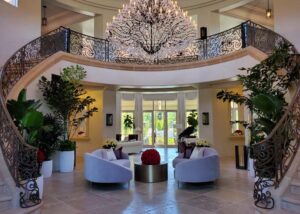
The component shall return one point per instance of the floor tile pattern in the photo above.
(70, 193)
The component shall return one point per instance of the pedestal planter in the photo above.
(66, 161)
(46, 169)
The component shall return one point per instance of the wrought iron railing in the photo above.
(21, 158)
(274, 155)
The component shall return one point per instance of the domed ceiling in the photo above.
(113, 5)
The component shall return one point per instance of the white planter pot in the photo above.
(251, 172)
(55, 158)
(46, 169)
(66, 161)
(40, 184)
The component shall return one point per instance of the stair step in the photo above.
(291, 201)
(5, 202)
(5, 198)
(31, 210)
(295, 186)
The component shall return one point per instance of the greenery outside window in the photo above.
(127, 123)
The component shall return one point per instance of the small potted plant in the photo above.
(66, 155)
(202, 143)
(110, 143)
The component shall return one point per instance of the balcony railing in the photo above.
(21, 158)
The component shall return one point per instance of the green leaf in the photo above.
(22, 95)
(33, 120)
(267, 104)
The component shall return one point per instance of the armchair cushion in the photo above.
(118, 153)
(198, 152)
(187, 150)
(122, 162)
(203, 169)
(99, 170)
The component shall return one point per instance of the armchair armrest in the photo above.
(103, 171)
(198, 170)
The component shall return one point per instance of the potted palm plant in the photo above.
(29, 123)
(66, 98)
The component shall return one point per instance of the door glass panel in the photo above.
(147, 128)
(172, 132)
(127, 124)
(159, 128)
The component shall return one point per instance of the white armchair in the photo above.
(103, 171)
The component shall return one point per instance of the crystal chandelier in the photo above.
(151, 29)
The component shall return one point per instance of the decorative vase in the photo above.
(66, 161)
(46, 169)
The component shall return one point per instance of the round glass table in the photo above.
(151, 173)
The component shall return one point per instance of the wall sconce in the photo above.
(269, 11)
(44, 19)
(205, 118)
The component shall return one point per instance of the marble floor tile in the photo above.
(66, 193)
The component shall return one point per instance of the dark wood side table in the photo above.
(151, 173)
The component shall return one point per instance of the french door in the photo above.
(158, 128)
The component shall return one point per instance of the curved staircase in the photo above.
(21, 158)
(290, 200)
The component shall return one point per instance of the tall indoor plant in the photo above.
(67, 99)
(38, 130)
(266, 85)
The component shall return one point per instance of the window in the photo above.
(12, 2)
(127, 116)
(191, 106)
(234, 110)
(127, 123)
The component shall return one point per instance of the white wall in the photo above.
(109, 107)
(286, 18)
(227, 22)
(19, 25)
(85, 27)
(218, 132)
(206, 99)
(221, 71)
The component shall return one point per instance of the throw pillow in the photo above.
(118, 153)
(100, 153)
(110, 154)
(197, 153)
(186, 149)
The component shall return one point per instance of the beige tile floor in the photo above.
(66, 193)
